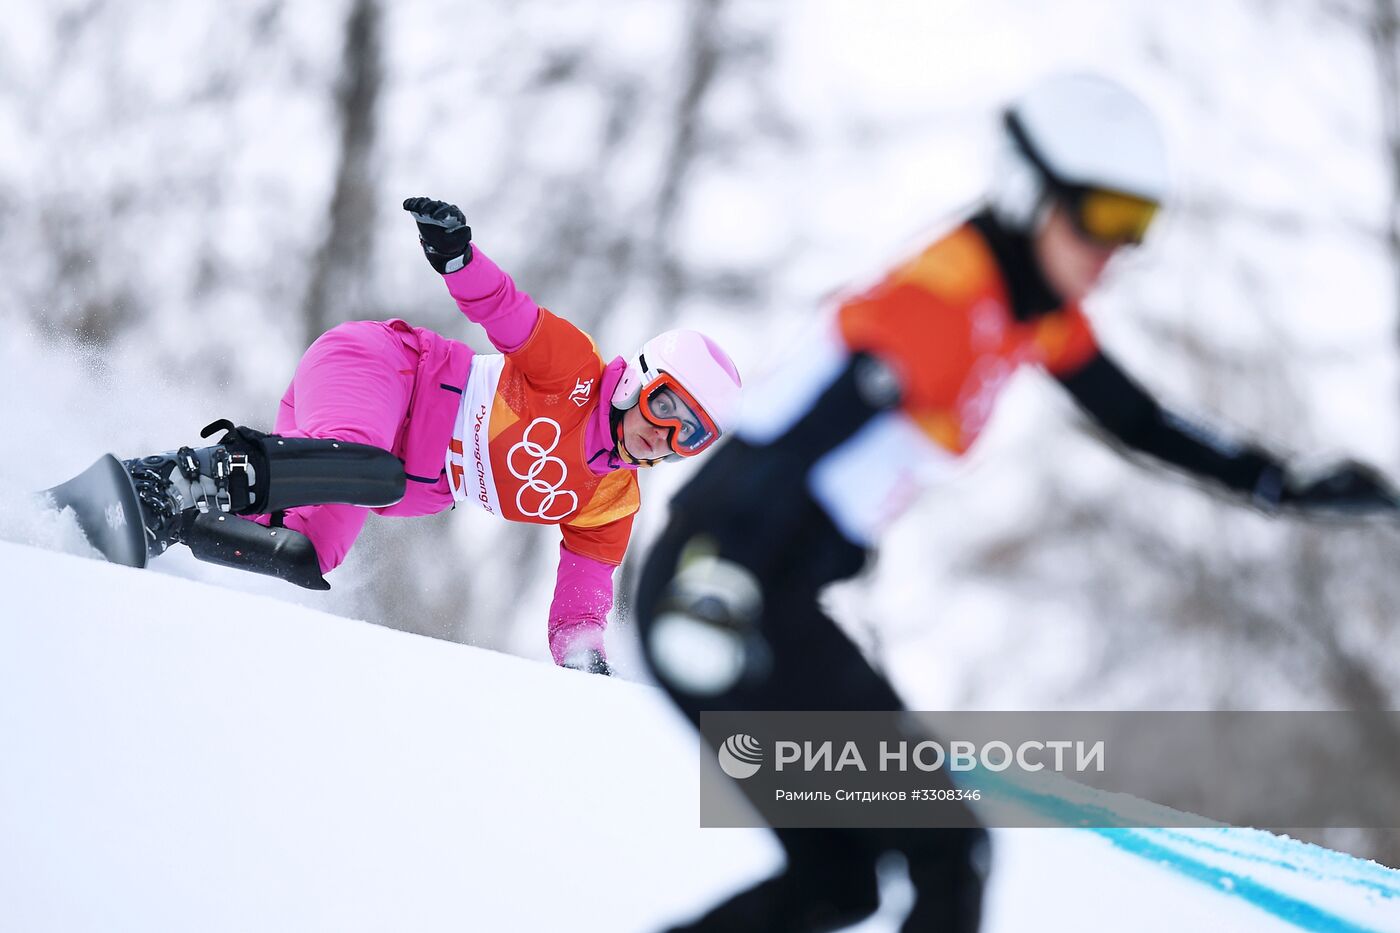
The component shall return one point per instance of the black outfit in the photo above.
(752, 503)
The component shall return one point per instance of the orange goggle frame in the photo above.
(705, 430)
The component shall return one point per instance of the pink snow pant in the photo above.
(355, 383)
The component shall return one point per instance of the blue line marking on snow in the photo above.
(1295, 911)
(1348, 869)
(1164, 848)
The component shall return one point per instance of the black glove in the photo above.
(443, 232)
(590, 661)
(709, 613)
(1349, 488)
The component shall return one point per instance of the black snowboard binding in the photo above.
(187, 495)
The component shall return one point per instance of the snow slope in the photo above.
(175, 756)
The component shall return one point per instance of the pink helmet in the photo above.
(683, 371)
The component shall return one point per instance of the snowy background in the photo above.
(190, 193)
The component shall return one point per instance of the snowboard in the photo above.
(104, 499)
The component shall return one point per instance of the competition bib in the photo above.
(469, 453)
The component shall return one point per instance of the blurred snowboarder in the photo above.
(834, 446)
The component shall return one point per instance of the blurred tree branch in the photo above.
(1385, 40)
(338, 289)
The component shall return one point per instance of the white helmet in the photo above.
(684, 381)
(1078, 133)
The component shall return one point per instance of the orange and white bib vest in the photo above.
(518, 448)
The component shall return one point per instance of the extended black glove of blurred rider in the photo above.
(443, 233)
(1349, 488)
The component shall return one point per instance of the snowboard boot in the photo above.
(187, 496)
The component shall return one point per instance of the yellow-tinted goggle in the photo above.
(1110, 217)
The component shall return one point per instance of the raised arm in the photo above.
(1128, 412)
(486, 295)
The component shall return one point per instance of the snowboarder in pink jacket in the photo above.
(399, 420)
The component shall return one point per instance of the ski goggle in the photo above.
(667, 404)
(1101, 215)
(1108, 217)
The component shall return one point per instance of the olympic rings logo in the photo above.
(539, 472)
